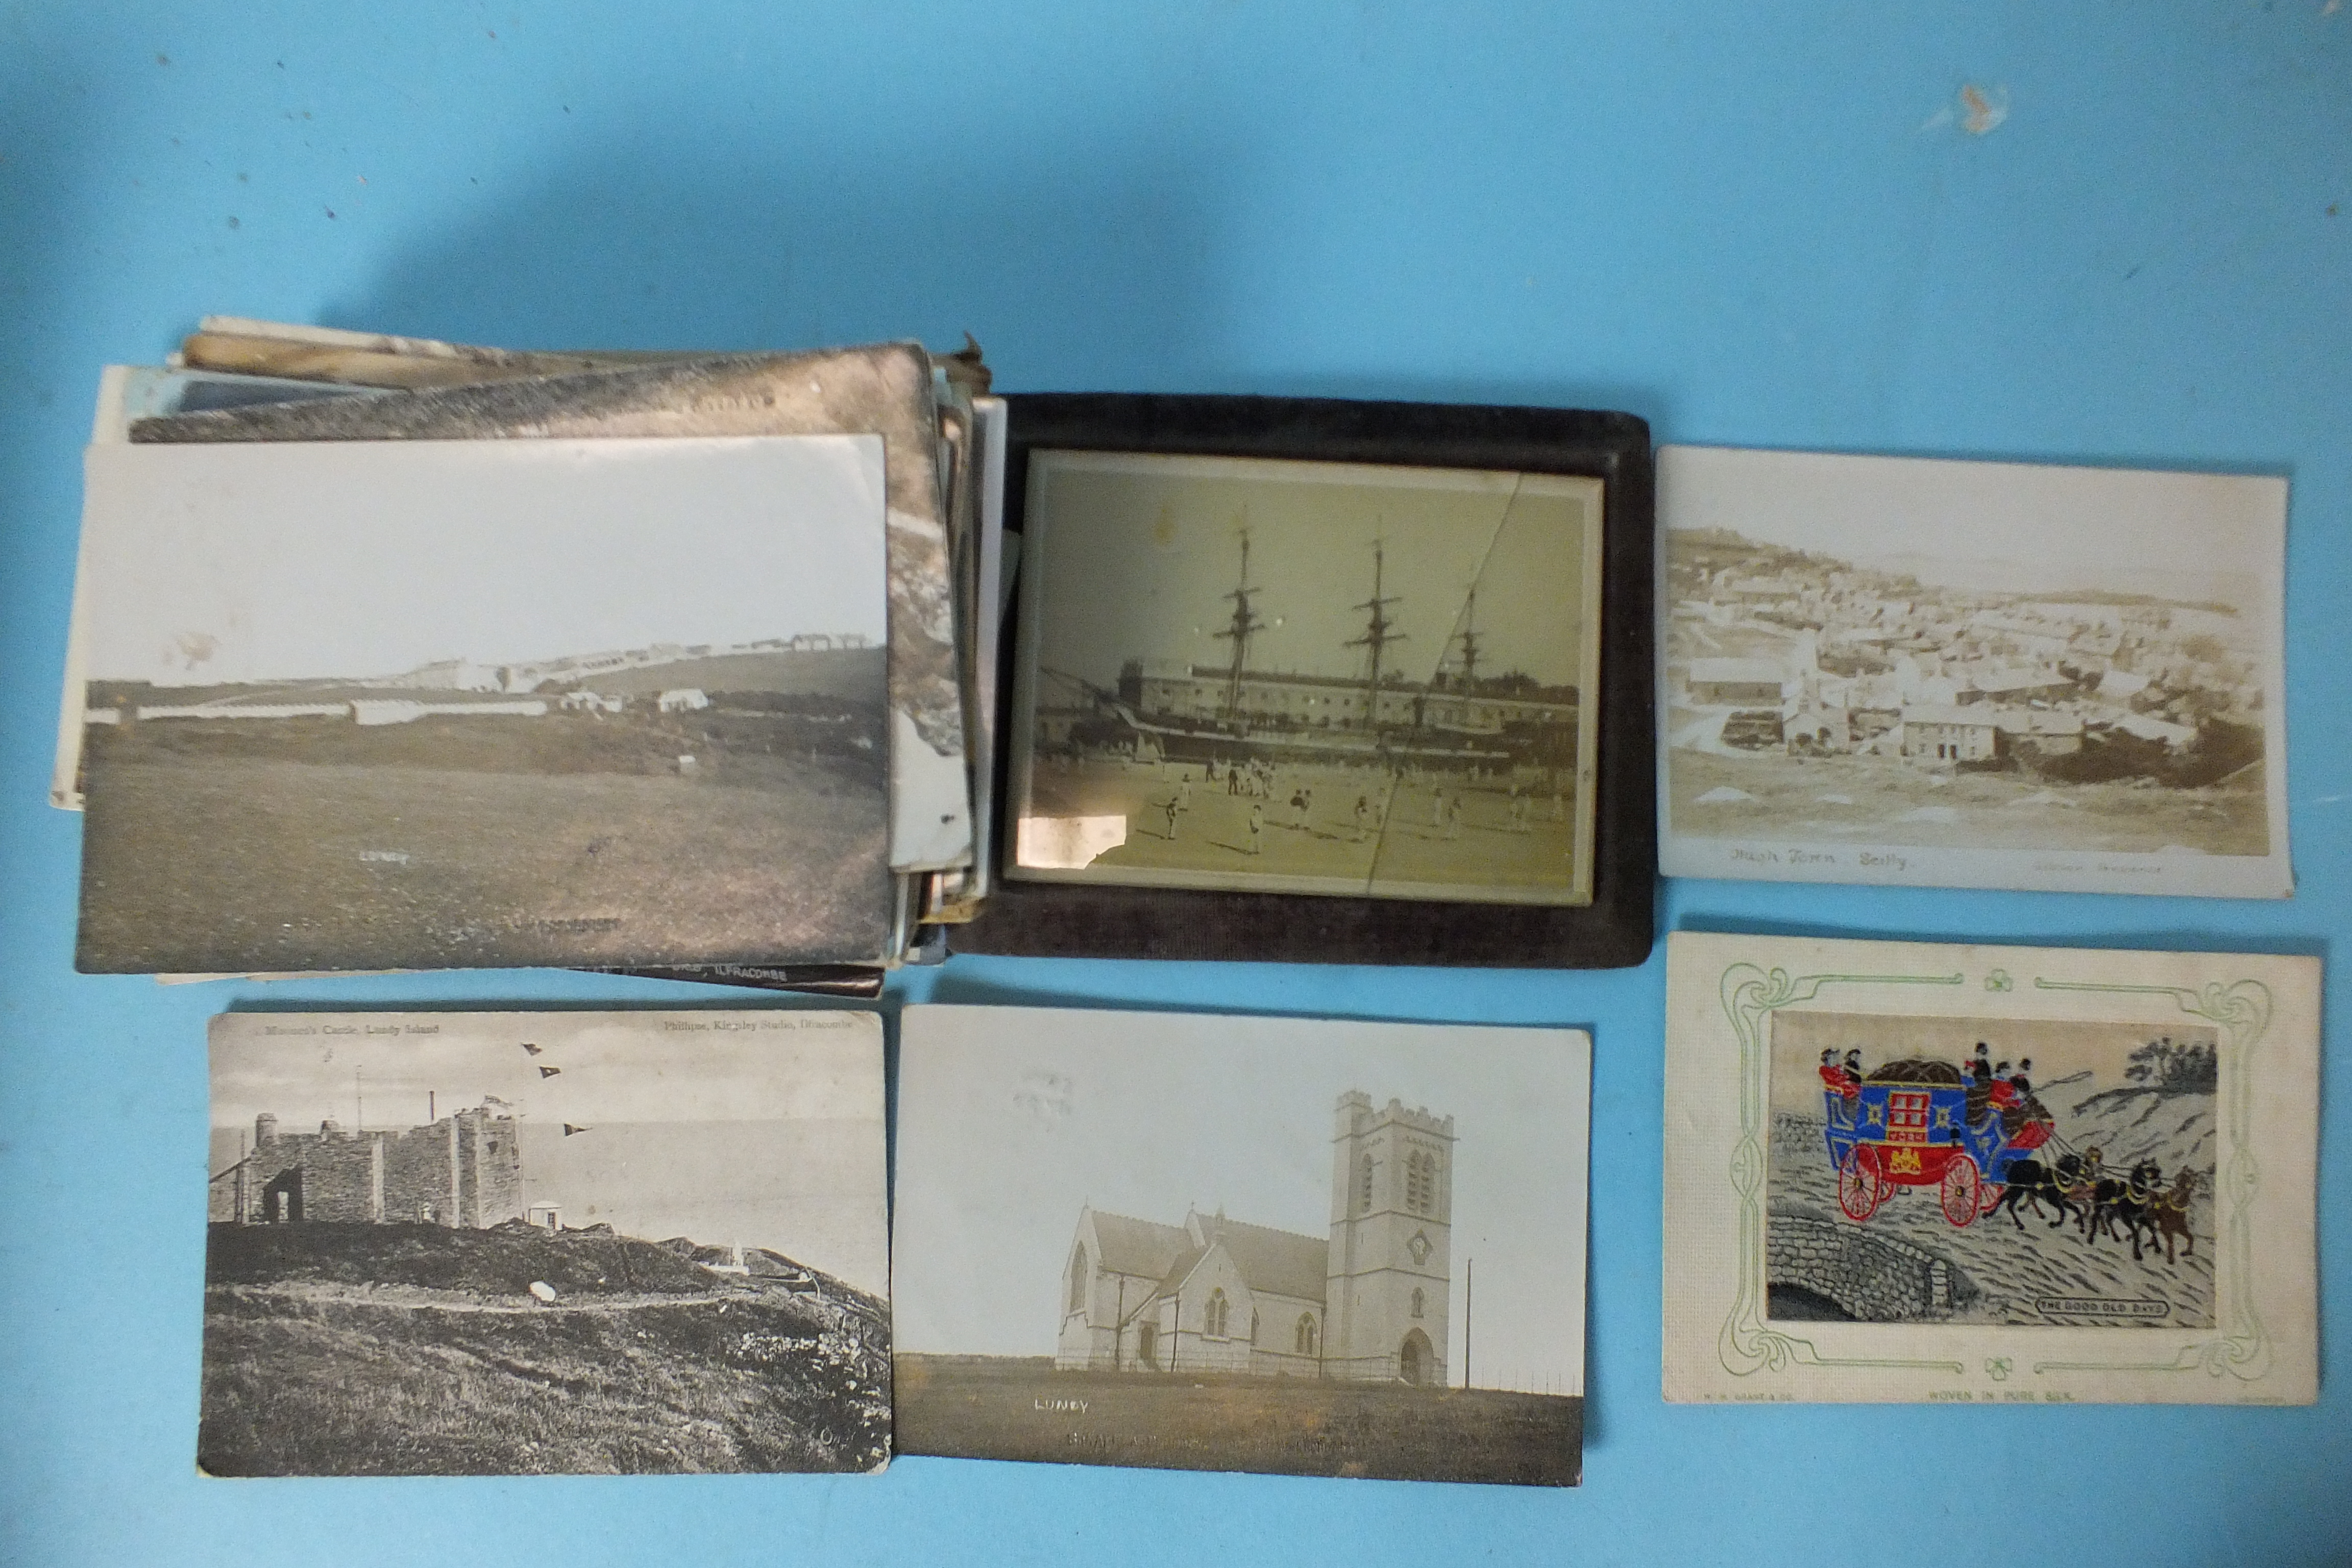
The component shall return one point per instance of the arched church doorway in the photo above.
(1416, 1362)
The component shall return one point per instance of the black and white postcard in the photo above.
(1204, 1242)
(546, 1243)
(1968, 674)
(1983, 1175)
(1271, 675)
(439, 704)
(459, 391)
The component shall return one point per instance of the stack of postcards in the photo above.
(390, 653)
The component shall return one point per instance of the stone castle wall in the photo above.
(464, 1170)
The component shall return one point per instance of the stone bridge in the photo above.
(1874, 1279)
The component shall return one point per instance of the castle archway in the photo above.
(1416, 1362)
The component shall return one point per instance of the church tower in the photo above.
(1387, 1286)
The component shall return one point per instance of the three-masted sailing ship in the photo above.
(1457, 721)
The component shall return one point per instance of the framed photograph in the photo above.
(1973, 675)
(475, 1243)
(1290, 1246)
(1290, 676)
(1905, 1172)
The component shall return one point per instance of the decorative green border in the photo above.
(1751, 994)
(2242, 1008)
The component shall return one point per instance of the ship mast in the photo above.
(1469, 640)
(1238, 632)
(1378, 632)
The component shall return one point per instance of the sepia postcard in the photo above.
(1969, 674)
(432, 704)
(1915, 1173)
(882, 389)
(471, 1243)
(1302, 677)
(1198, 1242)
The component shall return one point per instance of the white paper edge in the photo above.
(2270, 876)
(1703, 1128)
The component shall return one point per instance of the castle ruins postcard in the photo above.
(1969, 674)
(1201, 1242)
(441, 704)
(1278, 676)
(546, 1243)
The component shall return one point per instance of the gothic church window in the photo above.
(1213, 1317)
(1419, 1301)
(1303, 1338)
(1421, 1182)
(1364, 1183)
(1079, 1280)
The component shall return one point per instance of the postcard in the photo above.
(1263, 675)
(471, 1243)
(1907, 1172)
(883, 389)
(1968, 674)
(432, 704)
(126, 393)
(1201, 1242)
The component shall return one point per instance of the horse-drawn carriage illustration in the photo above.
(1919, 1124)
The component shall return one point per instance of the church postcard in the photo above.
(1288, 1245)
(548, 1243)
(1902, 1172)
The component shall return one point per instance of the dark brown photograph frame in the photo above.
(1614, 929)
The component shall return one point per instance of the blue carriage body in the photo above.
(1923, 1121)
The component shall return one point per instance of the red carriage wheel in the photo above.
(1989, 1195)
(1859, 1187)
(1960, 1191)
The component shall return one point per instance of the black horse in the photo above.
(2030, 1180)
(2130, 1203)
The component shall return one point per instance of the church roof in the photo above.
(1281, 1261)
(1186, 1261)
(1136, 1247)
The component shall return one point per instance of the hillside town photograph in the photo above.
(1307, 678)
(1846, 677)
(545, 1244)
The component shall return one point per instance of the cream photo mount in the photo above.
(2255, 1341)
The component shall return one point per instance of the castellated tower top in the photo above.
(1356, 1115)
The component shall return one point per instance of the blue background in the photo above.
(1757, 225)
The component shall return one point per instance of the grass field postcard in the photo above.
(546, 1243)
(447, 704)
(1968, 674)
(1905, 1172)
(1307, 678)
(1202, 1242)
